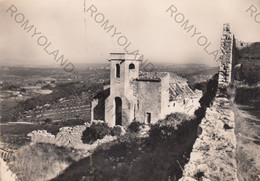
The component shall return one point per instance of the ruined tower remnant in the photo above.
(226, 58)
(239, 61)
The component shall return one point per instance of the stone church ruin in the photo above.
(141, 96)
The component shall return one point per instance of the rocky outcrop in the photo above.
(213, 154)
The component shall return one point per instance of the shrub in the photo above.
(209, 95)
(94, 132)
(173, 120)
(48, 87)
(135, 126)
(166, 127)
(117, 131)
(47, 120)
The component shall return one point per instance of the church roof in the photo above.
(179, 91)
(153, 76)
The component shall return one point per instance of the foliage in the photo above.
(23, 90)
(209, 95)
(135, 126)
(12, 87)
(200, 86)
(48, 86)
(47, 120)
(173, 120)
(116, 131)
(166, 127)
(94, 132)
(137, 158)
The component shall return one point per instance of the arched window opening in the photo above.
(117, 70)
(131, 67)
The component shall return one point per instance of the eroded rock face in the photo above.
(213, 154)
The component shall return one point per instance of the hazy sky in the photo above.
(145, 23)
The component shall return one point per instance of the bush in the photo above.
(48, 87)
(117, 131)
(94, 132)
(166, 127)
(173, 120)
(209, 95)
(47, 120)
(134, 127)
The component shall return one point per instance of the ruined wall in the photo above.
(165, 95)
(213, 154)
(238, 60)
(226, 75)
(68, 137)
(186, 105)
(98, 105)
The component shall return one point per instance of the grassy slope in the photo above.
(247, 117)
(41, 161)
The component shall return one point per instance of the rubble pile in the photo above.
(67, 137)
(41, 136)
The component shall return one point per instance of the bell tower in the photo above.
(124, 68)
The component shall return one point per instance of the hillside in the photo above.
(247, 119)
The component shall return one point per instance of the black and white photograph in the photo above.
(130, 90)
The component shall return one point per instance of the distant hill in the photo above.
(194, 73)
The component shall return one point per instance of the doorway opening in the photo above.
(148, 118)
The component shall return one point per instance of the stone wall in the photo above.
(68, 137)
(226, 58)
(213, 154)
(239, 55)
